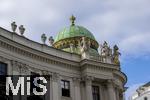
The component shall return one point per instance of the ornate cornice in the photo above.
(42, 57)
(20, 67)
(121, 76)
(35, 56)
(97, 67)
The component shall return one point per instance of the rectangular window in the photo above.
(65, 86)
(3, 71)
(3, 68)
(95, 92)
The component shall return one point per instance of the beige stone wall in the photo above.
(24, 56)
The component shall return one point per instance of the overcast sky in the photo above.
(122, 22)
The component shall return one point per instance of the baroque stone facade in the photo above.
(85, 72)
(142, 93)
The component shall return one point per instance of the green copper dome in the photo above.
(73, 31)
(69, 39)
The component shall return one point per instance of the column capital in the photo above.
(88, 79)
(14, 63)
(24, 69)
(3, 59)
(76, 80)
(44, 72)
(19, 66)
(55, 76)
(111, 82)
(32, 69)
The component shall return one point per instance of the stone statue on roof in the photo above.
(116, 55)
(106, 50)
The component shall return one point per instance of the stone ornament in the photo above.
(110, 83)
(43, 38)
(21, 30)
(55, 76)
(51, 40)
(20, 67)
(116, 55)
(106, 50)
(44, 72)
(88, 79)
(13, 26)
(24, 69)
(76, 80)
(71, 47)
(3, 59)
(84, 47)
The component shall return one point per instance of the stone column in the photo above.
(117, 93)
(111, 90)
(88, 88)
(55, 86)
(77, 88)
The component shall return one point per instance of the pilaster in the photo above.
(88, 87)
(111, 90)
(77, 91)
(55, 86)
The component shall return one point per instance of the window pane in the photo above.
(62, 84)
(95, 92)
(3, 68)
(65, 85)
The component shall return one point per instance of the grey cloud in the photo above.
(112, 20)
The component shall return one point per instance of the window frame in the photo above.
(65, 88)
(96, 92)
(3, 70)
